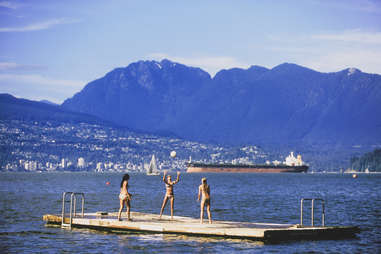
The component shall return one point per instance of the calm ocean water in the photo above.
(273, 198)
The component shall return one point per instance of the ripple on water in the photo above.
(25, 197)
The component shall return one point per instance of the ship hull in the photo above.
(205, 168)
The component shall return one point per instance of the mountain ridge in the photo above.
(286, 104)
(12, 108)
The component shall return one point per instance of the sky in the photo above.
(50, 49)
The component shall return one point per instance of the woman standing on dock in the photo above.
(124, 197)
(169, 192)
(204, 191)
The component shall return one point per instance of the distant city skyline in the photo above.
(52, 49)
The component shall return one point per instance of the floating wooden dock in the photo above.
(150, 223)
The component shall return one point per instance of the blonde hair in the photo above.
(203, 180)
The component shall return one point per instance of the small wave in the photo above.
(219, 210)
(30, 232)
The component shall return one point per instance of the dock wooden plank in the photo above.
(151, 223)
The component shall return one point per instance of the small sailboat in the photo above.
(152, 168)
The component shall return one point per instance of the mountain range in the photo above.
(12, 108)
(288, 104)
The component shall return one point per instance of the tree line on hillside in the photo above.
(370, 161)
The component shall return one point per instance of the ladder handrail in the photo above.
(312, 210)
(72, 205)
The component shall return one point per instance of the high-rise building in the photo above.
(81, 162)
(100, 167)
(63, 163)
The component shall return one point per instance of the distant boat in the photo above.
(152, 168)
(292, 164)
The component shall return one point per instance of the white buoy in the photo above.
(173, 154)
(354, 176)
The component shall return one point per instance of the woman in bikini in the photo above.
(204, 191)
(169, 192)
(124, 197)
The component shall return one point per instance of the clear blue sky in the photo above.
(51, 49)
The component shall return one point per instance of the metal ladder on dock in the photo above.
(312, 210)
(73, 197)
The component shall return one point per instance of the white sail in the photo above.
(152, 168)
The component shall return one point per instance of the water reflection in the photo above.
(167, 243)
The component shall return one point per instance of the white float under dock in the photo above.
(150, 223)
